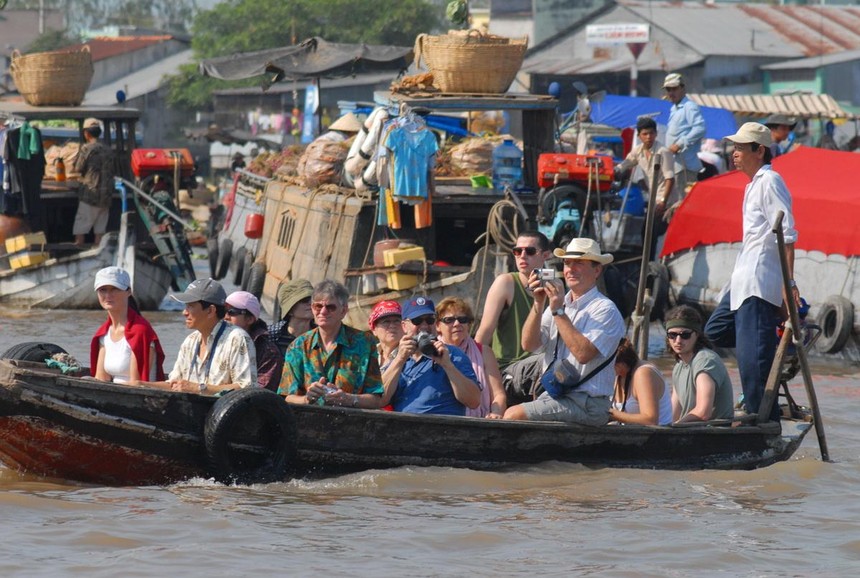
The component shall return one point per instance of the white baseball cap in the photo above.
(113, 276)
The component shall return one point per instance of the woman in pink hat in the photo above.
(384, 322)
(243, 310)
(125, 349)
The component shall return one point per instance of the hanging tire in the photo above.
(250, 437)
(212, 249)
(256, 279)
(32, 351)
(246, 274)
(658, 283)
(238, 263)
(613, 283)
(836, 319)
(225, 252)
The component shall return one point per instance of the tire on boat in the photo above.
(225, 251)
(238, 263)
(256, 279)
(32, 351)
(250, 437)
(658, 282)
(212, 249)
(836, 319)
(246, 272)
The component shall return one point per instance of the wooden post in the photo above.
(642, 315)
(801, 353)
(770, 389)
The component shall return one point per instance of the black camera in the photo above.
(425, 344)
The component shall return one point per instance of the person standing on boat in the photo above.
(641, 394)
(297, 318)
(216, 356)
(748, 314)
(333, 364)
(243, 310)
(435, 379)
(95, 165)
(782, 131)
(505, 311)
(582, 327)
(125, 349)
(685, 132)
(385, 324)
(701, 387)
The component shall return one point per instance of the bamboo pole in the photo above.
(642, 313)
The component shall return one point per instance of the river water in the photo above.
(796, 518)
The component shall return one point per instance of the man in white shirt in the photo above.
(582, 327)
(749, 313)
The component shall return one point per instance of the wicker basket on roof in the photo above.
(59, 78)
(471, 62)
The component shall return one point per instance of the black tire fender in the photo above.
(239, 265)
(256, 279)
(836, 319)
(246, 271)
(250, 437)
(225, 252)
(658, 282)
(32, 351)
(212, 249)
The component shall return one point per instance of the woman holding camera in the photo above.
(453, 325)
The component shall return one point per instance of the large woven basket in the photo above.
(473, 62)
(59, 78)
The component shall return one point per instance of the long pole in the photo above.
(642, 313)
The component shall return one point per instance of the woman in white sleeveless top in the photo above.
(641, 394)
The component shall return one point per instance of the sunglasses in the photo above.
(330, 307)
(424, 319)
(530, 251)
(673, 335)
(237, 312)
(449, 320)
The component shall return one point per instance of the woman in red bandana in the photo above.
(125, 349)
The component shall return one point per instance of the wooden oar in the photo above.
(642, 312)
(801, 352)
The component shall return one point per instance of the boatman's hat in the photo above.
(752, 132)
(779, 120)
(207, 290)
(672, 80)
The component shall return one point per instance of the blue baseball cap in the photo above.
(418, 306)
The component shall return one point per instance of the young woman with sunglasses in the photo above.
(701, 387)
(641, 394)
(453, 324)
(243, 310)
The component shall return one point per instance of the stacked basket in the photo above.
(59, 78)
(471, 62)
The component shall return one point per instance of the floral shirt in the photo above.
(352, 365)
(234, 359)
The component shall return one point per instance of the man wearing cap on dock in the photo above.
(685, 132)
(95, 165)
(748, 314)
(580, 328)
(782, 131)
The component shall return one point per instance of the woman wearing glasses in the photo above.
(243, 310)
(385, 323)
(701, 388)
(453, 325)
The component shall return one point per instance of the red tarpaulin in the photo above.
(825, 192)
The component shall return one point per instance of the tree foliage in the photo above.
(236, 26)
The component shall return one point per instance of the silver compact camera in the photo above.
(545, 275)
(424, 341)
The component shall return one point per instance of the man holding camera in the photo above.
(426, 375)
(581, 327)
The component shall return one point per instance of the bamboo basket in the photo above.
(472, 62)
(59, 78)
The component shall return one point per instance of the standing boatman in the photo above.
(685, 132)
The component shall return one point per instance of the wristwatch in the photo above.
(559, 311)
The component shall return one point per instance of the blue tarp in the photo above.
(622, 112)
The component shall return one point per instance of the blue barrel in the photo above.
(507, 166)
(635, 204)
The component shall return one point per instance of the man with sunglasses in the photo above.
(506, 308)
(748, 314)
(582, 328)
(442, 382)
(685, 132)
(332, 364)
(216, 356)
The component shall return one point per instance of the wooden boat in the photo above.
(97, 432)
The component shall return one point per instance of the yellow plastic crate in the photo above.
(22, 242)
(27, 259)
(391, 257)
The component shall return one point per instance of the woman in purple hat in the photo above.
(243, 310)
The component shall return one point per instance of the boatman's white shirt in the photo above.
(757, 270)
(598, 319)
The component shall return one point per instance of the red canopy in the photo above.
(825, 192)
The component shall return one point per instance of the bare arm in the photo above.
(499, 296)
(706, 389)
(789, 257)
(530, 338)
(100, 366)
(465, 390)
(498, 399)
(647, 388)
(391, 375)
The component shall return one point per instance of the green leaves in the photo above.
(457, 12)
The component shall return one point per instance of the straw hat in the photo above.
(752, 132)
(347, 123)
(583, 248)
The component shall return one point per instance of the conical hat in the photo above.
(347, 123)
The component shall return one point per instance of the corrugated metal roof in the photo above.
(815, 61)
(138, 83)
(762, 105)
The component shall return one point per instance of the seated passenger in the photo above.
(701, 388)
(243, 310)
(454, 322)
(439, 378)
(297, 318)
(641, 394)
(125, 349)
(333, 364)
(216, 356)
(384, 322)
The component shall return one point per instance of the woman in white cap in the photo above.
(243, 310)
(125, 349)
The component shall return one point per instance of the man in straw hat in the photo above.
(685, 132)
(581, 327)
(748, 314)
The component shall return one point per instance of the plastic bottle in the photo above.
(61, 169)
(507, 166)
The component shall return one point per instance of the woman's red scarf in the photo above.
(140, 336)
